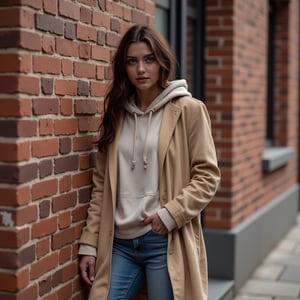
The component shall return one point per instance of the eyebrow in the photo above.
(150, 54)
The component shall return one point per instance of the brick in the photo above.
(65, 145)
(64, 220)
(9, 17)
(15, 107)
(44, 209)
(49, 23)
(84, 69)
(46, 65)
(45, 168)
(63, 238)
(70, 31)
(45, 147)
(42, 247)
(46, 127)
(65, 87)
(30, 41)
(69, 10)
(85, 15)
(47, 85)
(15, 152)
(18, 174)
(45, 188)
(79, 214)
(100, 73)
(112, 39)
(28, 85)
(45, 106)
(48, 44)
(86, 33)
(66, 67)
(85, 107)
(14, 238)
(14, 196)
(9, 84)
(64, 184)
(82, 143)
(44, 228)
(9, 38)
(65, 255)
(64, 201)
(45, 285)
(82, 179)
(65, 126)
(65, 292)
(50, 7)
(84, 161)
(26, 18)
(66, 107)
(100, 53)
(66, 163)
(67, 47)
(83, 88)
(12, 282)
(84, 51)
(26, 215)
(13, 260)
(84, 194)
(83, 124)
(44, 265)
(101, 37)
(64, 274)
(115, 25)
(15, 63)
(98, 89)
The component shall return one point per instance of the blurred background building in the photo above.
(241, 57)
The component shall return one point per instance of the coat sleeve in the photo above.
(90, 232)
(204, 172)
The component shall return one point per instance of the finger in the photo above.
(91, 271)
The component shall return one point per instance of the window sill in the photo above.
(276, 157)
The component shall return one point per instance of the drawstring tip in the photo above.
(145, 164)
(132, 164)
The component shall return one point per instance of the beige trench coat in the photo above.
(189, 177)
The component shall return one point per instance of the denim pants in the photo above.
(137, 260)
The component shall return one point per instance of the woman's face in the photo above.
(142, 67)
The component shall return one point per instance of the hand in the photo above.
(156, 224)
(87, 268)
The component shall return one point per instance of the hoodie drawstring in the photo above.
(145, 153)
(133, 161)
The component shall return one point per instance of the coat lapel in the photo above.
(168, 124)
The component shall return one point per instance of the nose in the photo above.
(141, 67)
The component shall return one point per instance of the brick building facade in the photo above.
(54, 71)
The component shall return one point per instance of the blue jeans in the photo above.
(137, 260)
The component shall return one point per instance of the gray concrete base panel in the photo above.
(234, 254)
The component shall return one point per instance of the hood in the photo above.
(176, 88)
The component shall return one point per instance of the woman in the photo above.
(156, 170)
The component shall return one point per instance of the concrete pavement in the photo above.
(278, 276)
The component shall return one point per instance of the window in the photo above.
(182, 23)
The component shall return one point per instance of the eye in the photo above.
(131, 61)
(150, 59)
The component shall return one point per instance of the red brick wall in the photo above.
(54, 70)
(236, 74)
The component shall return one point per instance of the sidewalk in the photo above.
(278, 276)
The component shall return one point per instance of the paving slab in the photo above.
(268, 272)
(269, 288)
(291, 273)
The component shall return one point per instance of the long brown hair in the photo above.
(121, 88)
